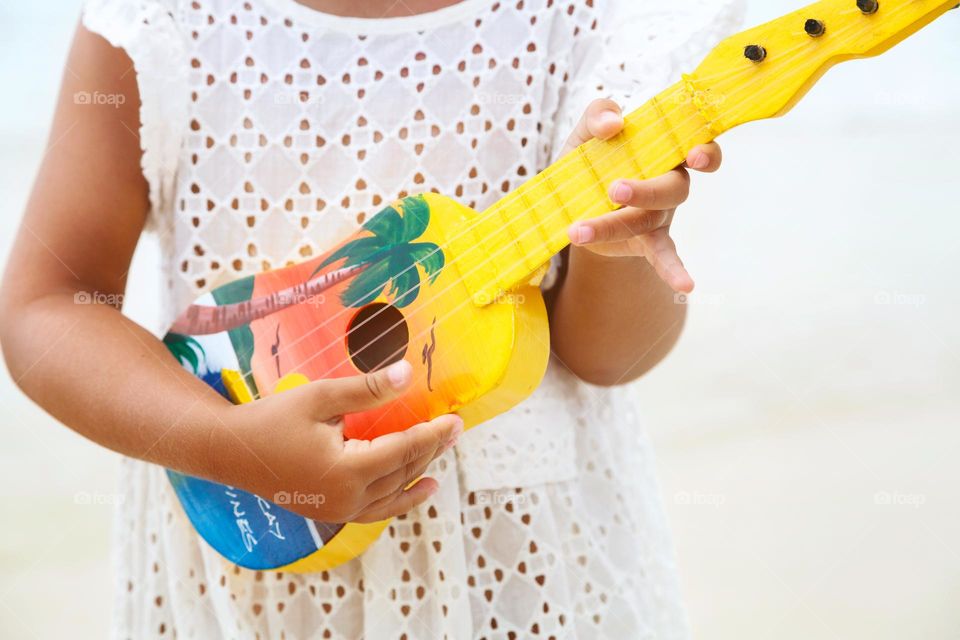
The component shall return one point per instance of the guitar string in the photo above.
(461, 280)
(533, 228)
(540, 224)
(520, 261)
(515, 196)
(487, 215)
(480, 219)
(506, 201)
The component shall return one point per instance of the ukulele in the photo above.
(455, 292)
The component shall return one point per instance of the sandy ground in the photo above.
(806, 426)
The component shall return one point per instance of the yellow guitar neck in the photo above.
(760, 73)
(514, 237)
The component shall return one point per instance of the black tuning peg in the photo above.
(754, 53)
(815, 28)
(868, 6)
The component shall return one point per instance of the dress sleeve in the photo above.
(148, 32)
(643, 47)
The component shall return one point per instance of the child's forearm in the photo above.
(613, 318)
(111, 381)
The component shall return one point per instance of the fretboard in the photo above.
(512, 239)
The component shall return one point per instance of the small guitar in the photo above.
(455, 291)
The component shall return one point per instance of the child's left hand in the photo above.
(642, 227)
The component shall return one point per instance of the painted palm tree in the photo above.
(191, 354)
(387, 259)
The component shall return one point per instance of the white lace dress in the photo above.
(271, 130)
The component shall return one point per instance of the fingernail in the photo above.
(455, 435)
(399, 374)
(610, 118)
(622, 192)
(457, 426)
(582, 234)
(699, 161)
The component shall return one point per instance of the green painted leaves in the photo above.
(185, 349)
(391, 258)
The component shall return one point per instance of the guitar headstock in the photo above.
(765, 71)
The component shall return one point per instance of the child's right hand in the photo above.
(289, 448)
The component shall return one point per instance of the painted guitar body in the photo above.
(454, 291)
(476, 360)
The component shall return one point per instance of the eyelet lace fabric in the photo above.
(269, 132)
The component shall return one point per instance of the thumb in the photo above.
(602, 119)
(359, 393)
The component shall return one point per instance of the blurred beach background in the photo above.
(806, 426)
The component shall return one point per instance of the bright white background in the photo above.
(807, 426)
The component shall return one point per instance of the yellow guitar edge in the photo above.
(237, 389)
(348, 544)
(526, 367)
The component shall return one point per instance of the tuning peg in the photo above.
(754, 53)
(815, 28)
(868, 6)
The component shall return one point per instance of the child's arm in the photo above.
(615, 315)
(115, 383)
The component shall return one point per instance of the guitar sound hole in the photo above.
(377, 336)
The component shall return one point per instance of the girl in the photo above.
(252, 134)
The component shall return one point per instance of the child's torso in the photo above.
(301, 126)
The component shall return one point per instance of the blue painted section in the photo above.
(243, 528)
